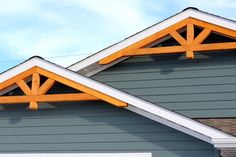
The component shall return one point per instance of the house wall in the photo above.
(96, 127)
(203, 87)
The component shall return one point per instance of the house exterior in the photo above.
(167, 91)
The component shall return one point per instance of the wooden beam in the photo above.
(215, 46)
(172, 30)
(178, 38)
(190, 33)
(46, 98)
(81, 87)
(179, 49)
(144, 42)
(202, 36)
(189, 54)
(156, 50)
(113, 57)
(215, 28)
(46, 86)
(190, 37)
(34, 90)
(24, 87)
(33, 105)
(18, 77)
(37, 91)
(35, 84)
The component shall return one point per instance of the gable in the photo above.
(95, 90)
(189, 44)
(90, 65)
(37, 92)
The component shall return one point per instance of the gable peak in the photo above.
(190, 8)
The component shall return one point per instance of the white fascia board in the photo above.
(225, 143)
(165, 116)
(78, 155)
(21, 68)
(156, 28)
(176, 126)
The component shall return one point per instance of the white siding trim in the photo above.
(168, 123)
(156, 28)
(79, 155)
(225, 143)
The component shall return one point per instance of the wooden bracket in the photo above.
(189, 45)
(37, 92)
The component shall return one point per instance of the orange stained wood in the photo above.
(37, 93)
(188, 45)
(190, 38)
(33, 105)
(81, 87)
(177, 49)
(24, 87)
(46, 86)
(202, 36)
(47, 98)
(16, 78)
(178, 37)
(144, 42)
(34, 91)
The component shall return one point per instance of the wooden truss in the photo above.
(37, 92)
(189, 45)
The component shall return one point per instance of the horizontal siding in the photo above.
(199, 88)
(96, 127)
(159, 75)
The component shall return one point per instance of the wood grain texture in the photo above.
(36, 93)
(47, 98)
(188, 45)
(81, 87)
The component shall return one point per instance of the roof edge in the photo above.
(84, 65)
(224, 143)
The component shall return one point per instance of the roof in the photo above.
(135, 104)
(227, 125)
(90, 66)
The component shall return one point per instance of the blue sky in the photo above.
(65, 31)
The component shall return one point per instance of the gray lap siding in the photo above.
(94, 127)
(203, 87)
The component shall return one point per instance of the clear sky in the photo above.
(65, 31)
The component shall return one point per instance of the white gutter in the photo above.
(225, 143)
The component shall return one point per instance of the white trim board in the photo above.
(86, 63)
(226, 144)
(136, 104)
(79, 155)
